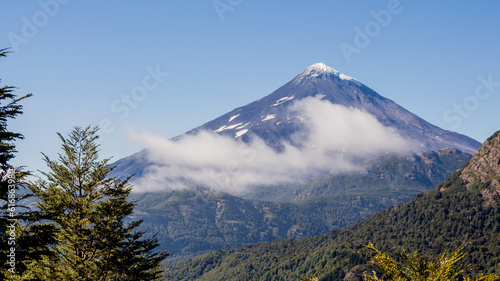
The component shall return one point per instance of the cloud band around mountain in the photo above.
(334, 138)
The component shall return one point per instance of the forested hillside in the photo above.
(462, 211)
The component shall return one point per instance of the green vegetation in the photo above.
(448, 217)
(309, 278)
(77, 228)
(9, 109)
(404, 266)
(21, 239)
(192, 222)
(88, 210)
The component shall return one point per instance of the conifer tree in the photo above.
(22, 238)
(89, 211)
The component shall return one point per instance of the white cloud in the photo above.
(336, 135)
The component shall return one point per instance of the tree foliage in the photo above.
(88, 210)
(314, 278)
(404, 266)
(9, 109)
(22, 240)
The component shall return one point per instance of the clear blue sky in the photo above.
(79, 58)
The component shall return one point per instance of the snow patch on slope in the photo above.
(232, 118)
(282, 100)
(241, 133)
(269, 117)
(243, 126)
(319, 96)
(223, 128)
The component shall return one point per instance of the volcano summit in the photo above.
(270, 119)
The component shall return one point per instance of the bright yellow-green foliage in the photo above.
(410, 267)
(309, 278)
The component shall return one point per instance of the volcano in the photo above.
(274, 121)
(269, 118)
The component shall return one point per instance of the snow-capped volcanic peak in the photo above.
(284, 119)
(319, 69)
(273, 119)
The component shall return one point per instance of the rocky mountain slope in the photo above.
(485, 170)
